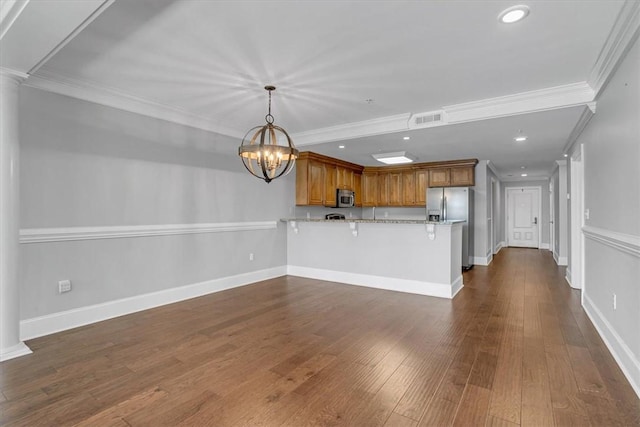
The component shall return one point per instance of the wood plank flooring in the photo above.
(513, 348)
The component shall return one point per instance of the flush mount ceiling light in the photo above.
(406, 138)
(261, 154)
(520, 138)
(394, 158)
(523, 174)
(513, 14)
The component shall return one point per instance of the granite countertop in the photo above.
(372, 221)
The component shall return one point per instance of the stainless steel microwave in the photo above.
(345, 198)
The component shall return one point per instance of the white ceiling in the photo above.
(211, 59)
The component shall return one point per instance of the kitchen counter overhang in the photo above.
(414, 256)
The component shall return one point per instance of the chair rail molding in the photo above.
(623, 242)
(44, 235)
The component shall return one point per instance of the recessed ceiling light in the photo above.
(566, 155)
(520, 138)
(406, 138)
(340, 146)
(523, 174)
(394, 158)
(513, 14)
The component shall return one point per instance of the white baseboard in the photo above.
(57, 322)
(545, 246)
(499, 246)
(562, 261)
(567, 276)
(14, 351)
(482, 260)
(627, 361)
(380, 282)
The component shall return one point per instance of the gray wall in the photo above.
(560, 213)
(83, 164)
(611, 159)
(484, 196)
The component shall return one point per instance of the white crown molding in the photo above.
(584, 119)
(45, 235)
(122, 101)
(539, 100)
(18, 76)
(105, 4)
(493, 169)
(9, 12)
(624, 32)
(526, 102)
(379, 126)
(623, 242)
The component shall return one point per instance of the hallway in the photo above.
(514, 347)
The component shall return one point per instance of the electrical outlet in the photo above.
(64, 286)
(586, 214)
(251, 256)
(615, 302)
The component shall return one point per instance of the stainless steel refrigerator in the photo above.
(454, 203)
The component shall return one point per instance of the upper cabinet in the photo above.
(455, 173)
(318, 177)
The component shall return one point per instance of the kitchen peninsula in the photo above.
(414, 256)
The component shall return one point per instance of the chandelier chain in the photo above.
(269, 118)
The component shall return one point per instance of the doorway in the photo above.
(523, 216)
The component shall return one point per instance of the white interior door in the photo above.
(523, 222)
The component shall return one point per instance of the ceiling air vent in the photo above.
(433, 118)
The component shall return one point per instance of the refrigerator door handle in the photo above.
(444, 207)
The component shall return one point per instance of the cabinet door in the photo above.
(422, 177)
(357, 188)
(369, 189)
(330, 186)
(439, 177)
(383, 189)
(341, 178)
(395, 189)
(315, 183)
(408, 188)
(345, 178)
(463, 177)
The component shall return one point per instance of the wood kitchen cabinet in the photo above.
(383, 189)
(330, 185)
(395, 189)
(369, 189)
(421, 184)
(409, 188)
(318, 177)
(357, 188)
(345, 178)
(463, 176)
(439, 177)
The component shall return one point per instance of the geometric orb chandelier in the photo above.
(261, 154)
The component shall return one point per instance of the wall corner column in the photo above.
(10, 344)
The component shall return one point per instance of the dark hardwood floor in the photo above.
(513, 348)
